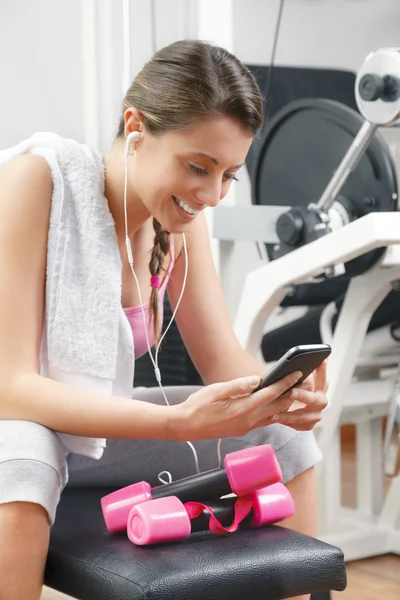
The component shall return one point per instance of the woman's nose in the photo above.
(210, 194)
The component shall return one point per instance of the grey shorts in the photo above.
(34, 466)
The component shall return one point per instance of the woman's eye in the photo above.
(198, 170)
(231, 176)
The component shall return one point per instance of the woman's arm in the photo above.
(206, 329)
(215, 411)
(203, 317)
(67, 409)
(25, 199)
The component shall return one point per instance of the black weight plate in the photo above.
(288, 84)
(303, 145)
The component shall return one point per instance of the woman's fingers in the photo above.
(317, 381)
(301, 419)
(300, 408)
(308, 384)
(273, 391)
(266, 410)
(320, 377)
(314, 400)
(229, 408)
(234, 388)
(301, 413)
(267, 402)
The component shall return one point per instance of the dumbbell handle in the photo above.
(243, 472)
(211, 484)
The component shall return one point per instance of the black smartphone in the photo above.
(300, 358)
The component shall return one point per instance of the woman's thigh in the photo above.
(127, 461)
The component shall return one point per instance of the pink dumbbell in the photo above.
(244, 471)
(167, 519)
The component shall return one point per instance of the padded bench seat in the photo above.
(271, 563)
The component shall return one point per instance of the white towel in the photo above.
(84, 274)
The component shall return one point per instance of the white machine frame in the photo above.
(371, 528)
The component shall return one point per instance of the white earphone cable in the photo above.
(219, 455)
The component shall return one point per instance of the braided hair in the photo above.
(160, 249)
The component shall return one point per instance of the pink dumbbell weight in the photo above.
(168, 519)
(244, 471)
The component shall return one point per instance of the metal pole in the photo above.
(347, 165)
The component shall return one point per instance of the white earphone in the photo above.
(134, 136)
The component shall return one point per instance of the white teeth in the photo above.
(185, 207)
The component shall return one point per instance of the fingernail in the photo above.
(253, 381)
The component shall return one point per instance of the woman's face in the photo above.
(179, 173)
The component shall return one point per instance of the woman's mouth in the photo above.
(190, 212)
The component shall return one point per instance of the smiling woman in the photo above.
(190, 149)
(74, 228)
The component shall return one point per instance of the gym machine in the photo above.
(325, 204)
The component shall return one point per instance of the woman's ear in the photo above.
(133, 120)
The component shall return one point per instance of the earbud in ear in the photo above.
(134, 136)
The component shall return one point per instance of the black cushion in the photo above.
(306, 329)
(88, 563)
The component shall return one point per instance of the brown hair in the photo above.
(181, 83)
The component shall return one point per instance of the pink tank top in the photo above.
(135, 316)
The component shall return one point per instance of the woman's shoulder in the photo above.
(25, 169)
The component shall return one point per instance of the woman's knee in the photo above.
(21, 516)
(24, 534)
(304, 490)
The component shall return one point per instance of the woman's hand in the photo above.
(309, 402)
(229, 409)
